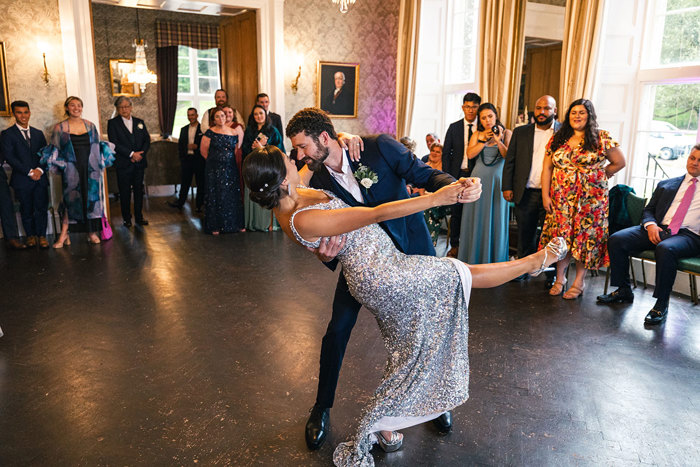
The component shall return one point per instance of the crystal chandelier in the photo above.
(140, 74)
(344, 4)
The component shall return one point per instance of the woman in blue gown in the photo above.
(224, 210)
(484, 230)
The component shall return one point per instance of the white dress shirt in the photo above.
(692, 217)
(539, 145)
(192, 132)
(27, 138)
(467, 124)
(129, 123)
(347, 179)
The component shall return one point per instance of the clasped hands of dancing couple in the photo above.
(419, 302)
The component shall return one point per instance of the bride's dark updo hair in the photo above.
(263, 172)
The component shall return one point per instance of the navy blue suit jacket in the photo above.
(126, 142)
(395, 166)
(23, 157)
(661, 200)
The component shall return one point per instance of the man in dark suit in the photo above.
(131, 141)
(315, 140)
(191, 160)
(522, 171)
(455, 161)
(671, 227)
(263, 100)
(340, 101)
(7, 211)
(20, 145)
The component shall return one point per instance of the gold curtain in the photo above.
(407, 56)
(502, 42)
(579, 49)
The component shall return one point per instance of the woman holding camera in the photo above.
(224, 210)
(258, 135)
(484, 230)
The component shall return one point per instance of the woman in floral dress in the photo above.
(578, 162)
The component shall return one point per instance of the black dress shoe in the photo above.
(141, 221)
(621, 295)
(656, 316)
(317, 427)
(127, 223)
(443, 423)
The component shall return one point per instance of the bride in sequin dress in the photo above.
(419, 302)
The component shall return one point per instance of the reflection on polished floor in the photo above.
(165, 346)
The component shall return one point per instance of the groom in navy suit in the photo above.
(671, 227)
(20, 145)
(315, 140)
(131, 141)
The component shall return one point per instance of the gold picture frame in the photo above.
(118, 68)
(341, 103)
(4, 93)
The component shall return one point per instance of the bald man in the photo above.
(522, 172)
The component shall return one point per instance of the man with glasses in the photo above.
(455, 160)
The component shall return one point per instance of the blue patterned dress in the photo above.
(224, 209)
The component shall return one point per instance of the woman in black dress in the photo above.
(224, 209)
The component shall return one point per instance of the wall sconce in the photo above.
(295, 84)
(44, 74)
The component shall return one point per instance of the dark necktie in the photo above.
(26, 135)
(471, 130)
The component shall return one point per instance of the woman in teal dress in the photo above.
(257, 136)
(484, 230)
(75, 150)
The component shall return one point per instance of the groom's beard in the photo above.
(316, 162)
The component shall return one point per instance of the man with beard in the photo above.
(522, 173)
(220, 99)
(380, 176)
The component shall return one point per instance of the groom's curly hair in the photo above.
(263, 173)
(312, 121)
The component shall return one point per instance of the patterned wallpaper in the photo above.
(22, 26)
(367, 34)
(115, 31)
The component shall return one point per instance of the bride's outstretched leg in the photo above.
(495, 274)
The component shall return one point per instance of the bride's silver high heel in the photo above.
(390, 445)
(557, 247)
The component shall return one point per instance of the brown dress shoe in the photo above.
(31, 242)
(43, 243)
(16, 244)
(453, 252)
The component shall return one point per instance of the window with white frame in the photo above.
(197, 81)
(669, 91)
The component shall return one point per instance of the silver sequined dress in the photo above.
(420, 303)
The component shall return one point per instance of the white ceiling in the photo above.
(182, 6)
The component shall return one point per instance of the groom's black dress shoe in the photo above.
(317, 427)
(443, 423)
(656, 315)
(621, 295)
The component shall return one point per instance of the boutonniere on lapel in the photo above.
(140, 126)
(365, 176)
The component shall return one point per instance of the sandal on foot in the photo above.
(390, 445)
(573, 292)
(557, 288)
(558, 248)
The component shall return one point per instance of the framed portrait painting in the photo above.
(118, 69)
(337, 88)
(4, 94)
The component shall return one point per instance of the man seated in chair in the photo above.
(670, 227)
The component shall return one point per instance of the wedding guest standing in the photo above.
(259, 134)
(191, 161)
(7, 212)
(484, 230)
(20, 145)
(131, 139)
(234, 123)
(263, 100)
(434, 216)
(577, 164)
(224, 210)
(76, 151)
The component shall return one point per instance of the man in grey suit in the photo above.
(522, 173)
